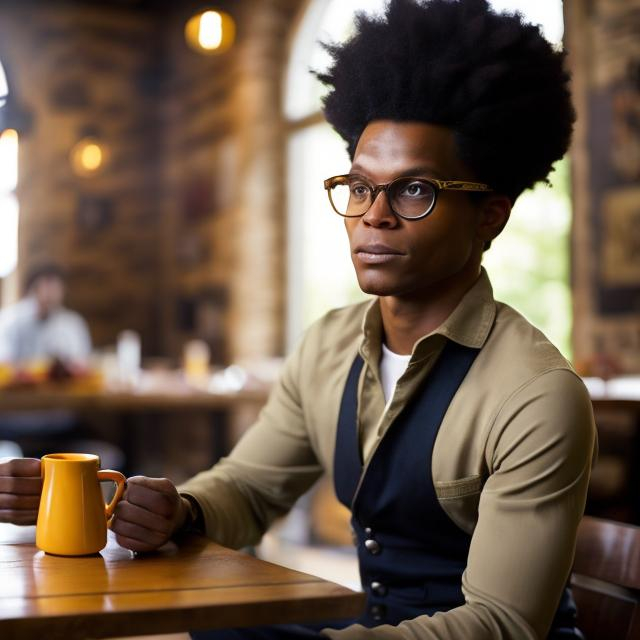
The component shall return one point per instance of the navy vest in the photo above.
(411, 554)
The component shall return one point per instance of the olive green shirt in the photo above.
(510, 463)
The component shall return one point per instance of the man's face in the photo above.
(49, 294)
(407, 258)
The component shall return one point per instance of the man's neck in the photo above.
(407, 319)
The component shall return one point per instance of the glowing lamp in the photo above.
(88, 156)
(210, 32)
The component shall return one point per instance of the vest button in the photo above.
(372, 546)
(378, 589)
(368, 531)
(378, 612)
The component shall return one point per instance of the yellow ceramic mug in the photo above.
(73, 518)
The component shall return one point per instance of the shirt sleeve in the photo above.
(270, 467)
(539, 454)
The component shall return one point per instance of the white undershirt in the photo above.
(392, 366)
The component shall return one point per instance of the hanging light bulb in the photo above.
(88, 156)
(210, 32)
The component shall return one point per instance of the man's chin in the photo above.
(377, 288)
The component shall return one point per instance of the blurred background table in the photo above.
(194, 585)
(164, 426)
(61, 399)
(614, 490)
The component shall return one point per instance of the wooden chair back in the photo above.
(606, 579)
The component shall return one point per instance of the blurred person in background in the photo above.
(40, 327)
(455, 432)
(42, 340)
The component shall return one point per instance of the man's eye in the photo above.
(359, 190)
(414, 190)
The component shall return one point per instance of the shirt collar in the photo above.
(469, 324)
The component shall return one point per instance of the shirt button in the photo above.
(378, 589)
(372, 546)
(378, 612)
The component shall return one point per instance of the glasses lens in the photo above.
(411, 198)
(350, 197)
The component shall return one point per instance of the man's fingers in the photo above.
(20, 489)
(153, 539)
(133, 544)
(19, 503)
(21, 486)
(161, 485)
(143, 519)
(141, 516)
(20, 467)
(150, 498)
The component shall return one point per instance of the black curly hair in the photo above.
(490, 77)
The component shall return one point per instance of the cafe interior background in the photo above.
(170, 157)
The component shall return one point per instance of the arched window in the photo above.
(528, 263)
(8, 200)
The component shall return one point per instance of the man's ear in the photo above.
(494, 215)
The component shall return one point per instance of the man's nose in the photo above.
(380, 213)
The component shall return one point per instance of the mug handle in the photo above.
(119, 479)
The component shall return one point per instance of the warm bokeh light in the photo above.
(88, 156)
(91, 157)
(8, 160)
(9, 211)
(210, 32)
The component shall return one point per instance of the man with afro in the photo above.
(455, 432)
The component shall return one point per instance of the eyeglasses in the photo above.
(411, 198)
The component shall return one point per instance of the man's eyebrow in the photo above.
(418, 171)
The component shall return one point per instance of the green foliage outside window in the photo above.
(529, 263)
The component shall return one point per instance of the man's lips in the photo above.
(376, 253)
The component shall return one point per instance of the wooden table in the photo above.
(196, 585)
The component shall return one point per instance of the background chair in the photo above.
(606, 580)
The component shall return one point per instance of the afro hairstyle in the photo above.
(490, 77)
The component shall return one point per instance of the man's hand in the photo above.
(20, 489)
(150, 512)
